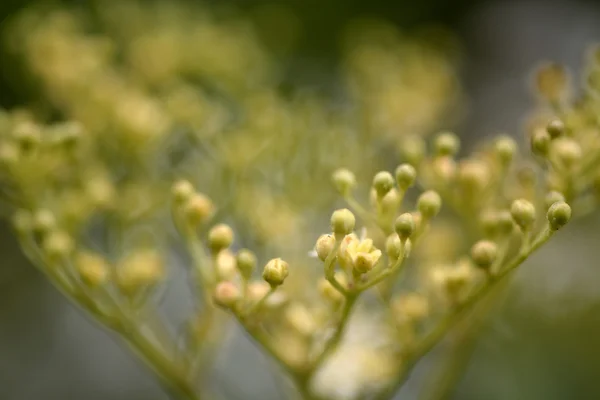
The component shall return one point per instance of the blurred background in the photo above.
(544, 339)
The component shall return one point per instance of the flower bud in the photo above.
(139, 269)
(406, 175)
(393, 246)
(558, 215)
(342, 222)
(383, 182)
(484, 253)
(197, 209)
(27, 135)
(429, 204)
(58, 245)
(474, 176)
(405, 226)
(344, 181)
(92, 268)
(325, 245)
(390, 202)
(523, 213)
(182, 191)
(43, 221)
(505, 148)
(413, 149)
(226, 295)
(246, 263)
(412, 306)
(446, 144)
(567, 151)
(300, 319)
(226, 265)
(220, 237)
(540, 143)
(555, 128)
(275, 272)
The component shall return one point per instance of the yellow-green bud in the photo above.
(140, 269)
(429, 204)
(505, 148)
(558, 215)
(342, 222)
(220, 237)
(413, 149)
(197, 209)
(497, 223)
(523, 213)
(27, 135)
(344, 181)
(58, 245)
(555, 128)
(324, 246)
(44, 221)
(329, 292)
(405, 226)
(406, 175)
(446, 144)
(275, 272)
(92, 268)
(474, 175)
(226, 295)
(505, 222)
(182, 191)
(540, 143)
(567, 151)
(383, 182)
(393, 246)
(246, 263)
(484, 253)
(553, 197)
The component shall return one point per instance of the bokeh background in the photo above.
(544, 339)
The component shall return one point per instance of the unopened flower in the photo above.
(275, 272)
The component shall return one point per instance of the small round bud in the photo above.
(474, 176)
(44, 221)
(558, 215)
(540, 143)
(505, 223)
(555, 128)
(245, 263)
(405, 226)
(275, 272)
(220, 237)
(324, 246)
(92, 268)
(429, 204)
(412, 306)
(182, 191)
(226, 295)
(383, 182)
(138, 270)
(226, 265)
(523, 213)
(567, 151)
(393, 246)
(553, 197)
(390, 202)
(27, 135)
(344, 181)
(58, 245)
(406, 175)
(446, 144)
(505, 148)
(197, 209)
(484, 253)
(342, 222)
(364, 262)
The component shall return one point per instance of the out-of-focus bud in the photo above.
(555, 128)
(139, 269)
(484, 253)
(226, 295)
(197, 209)
(393, 246)
(523, 213)
(246, 263)
(552, 82)
(446, 144)
(92, 268)
(540, 143)
(220, 237)
(329, 292)
(505, 148)
(182, 191)
(57, 245)
(344, 181)
(429, 204)
(226, 265)
(567, 151)
(412, 307)
(553, 197)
